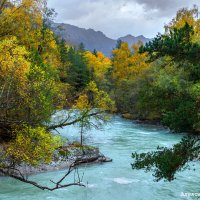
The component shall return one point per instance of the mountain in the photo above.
(131, 39)
(90, 38)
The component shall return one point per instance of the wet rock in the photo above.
(104, 159)
(81, 155)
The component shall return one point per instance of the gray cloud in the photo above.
(160, 4)
(166, 7)
(119, 17)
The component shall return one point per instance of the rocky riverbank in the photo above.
(65, 156)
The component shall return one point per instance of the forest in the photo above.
(41, 74)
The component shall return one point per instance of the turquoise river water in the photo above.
(116, 180)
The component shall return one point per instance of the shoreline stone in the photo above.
(90, 155)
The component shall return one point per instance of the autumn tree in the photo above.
(33, 89)
(91, 106)
(98, 66)
(30, 91)
(127, 66)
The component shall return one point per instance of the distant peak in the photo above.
(128, 36)
(90, 29)
(140, 36)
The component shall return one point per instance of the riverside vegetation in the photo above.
(42, 74)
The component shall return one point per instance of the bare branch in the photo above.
(58, 184)
(63, 124)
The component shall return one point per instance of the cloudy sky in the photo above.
(118, 18)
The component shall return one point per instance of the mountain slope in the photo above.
(90, 38)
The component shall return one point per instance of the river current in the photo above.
(116, 180)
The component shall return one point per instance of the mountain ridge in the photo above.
(92, 39)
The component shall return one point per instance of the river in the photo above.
(116, 180)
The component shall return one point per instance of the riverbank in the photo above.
(141, 121)
(64, 157)
(155, 121)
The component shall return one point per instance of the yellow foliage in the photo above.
(121, 62)
(184, 16)
(32, 145)
(98, 64)
(29, 87)
(13, 62)
(24, 20)
(92, 87)
(94, 98)
(50, 53)
(82, 102)
(104, 102)
(128, 65)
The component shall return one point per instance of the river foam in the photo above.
(124, 181)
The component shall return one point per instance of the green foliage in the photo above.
(167, 94)
(171, 92)
(176, 44)
(119, 43)
(74, 67)
(179, 46)
(165, 162)
(177, 119)
(164, 91)
(125, 96)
